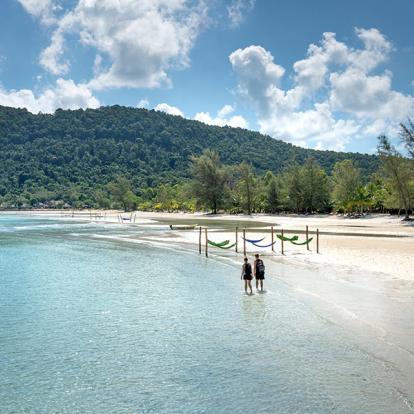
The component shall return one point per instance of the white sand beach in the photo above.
(379, 244)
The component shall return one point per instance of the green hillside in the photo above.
(86, 149)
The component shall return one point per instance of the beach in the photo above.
(379, 244)
(336, 327)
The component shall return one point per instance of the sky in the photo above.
(324, 74)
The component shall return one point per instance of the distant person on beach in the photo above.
(246, 275)
(259, 271)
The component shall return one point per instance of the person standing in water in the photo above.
(246, 275)
(259, 271)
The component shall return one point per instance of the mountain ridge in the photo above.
(88, 148)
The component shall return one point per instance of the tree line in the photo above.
(70, 157)
(305, 188)
(116, 157)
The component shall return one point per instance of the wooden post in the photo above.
(283, 252)
(317, 240)
(273, 246)
(206, 233)
(199, 242)
(244, 242)
(237, 237)
(307, 237)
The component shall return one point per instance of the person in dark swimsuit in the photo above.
(259, 271)
(247, 275)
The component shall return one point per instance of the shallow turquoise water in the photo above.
(98, 326)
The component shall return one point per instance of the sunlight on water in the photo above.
(93, 325)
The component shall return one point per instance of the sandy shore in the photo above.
(379, 244)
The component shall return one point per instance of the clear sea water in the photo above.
(93, 325)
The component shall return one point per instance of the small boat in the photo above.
(183, 227)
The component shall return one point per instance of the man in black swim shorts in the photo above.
(259, 271)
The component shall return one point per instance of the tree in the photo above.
(346, 181)
(121, 191)
(315, 186)
(209, 182)
(247, 187)
(407, 135)
(295, 188)
(272, 193)
(398, 171)
(102, 199)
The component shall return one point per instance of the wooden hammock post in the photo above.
(273, 246)
(199, 242)
(307, 237)
(206, 233)
(283, 251)
(237, 234)
(244, 242)
(317, 240)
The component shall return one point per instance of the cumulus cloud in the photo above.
(237, 10)
(65, 94)
(354, 92)
(258, 76)
(41, 9)
(222, 118)
(142, 40)
(51, 57)
(143, 103)
(335, 97)
(168, 109)
(316, 128)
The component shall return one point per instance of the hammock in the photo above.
(221, 245)
(305, 242)
(254, 241)
(284, 238)
(267, 245)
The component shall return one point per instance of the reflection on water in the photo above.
(93, 325)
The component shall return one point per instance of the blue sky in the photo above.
(320, 74)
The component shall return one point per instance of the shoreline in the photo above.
(379, 244)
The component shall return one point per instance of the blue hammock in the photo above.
(267, 245)
(253, 241)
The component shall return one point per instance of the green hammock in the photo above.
(222, 245)
(305, 242)
(284, 238)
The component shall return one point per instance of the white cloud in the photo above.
(334, 97)
(356, 93)
(168, 109)
(50, 58)
(222, 119)
(258, 76)
(226, 110)
(41, 9)
(237, 10)
(65, 94)
(377, 49)
(142, 39)
(316, 128)
(143, 103)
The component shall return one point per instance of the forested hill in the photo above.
(88, 148)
